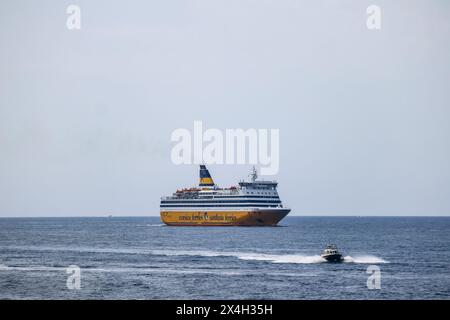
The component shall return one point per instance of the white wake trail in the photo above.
(364, 259)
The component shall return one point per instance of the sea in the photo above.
(141, 258)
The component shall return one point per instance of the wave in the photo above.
(139, 270)
(30, 268)
(130, 270)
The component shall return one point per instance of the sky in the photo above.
(86, 115)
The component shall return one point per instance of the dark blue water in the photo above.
(139, 258)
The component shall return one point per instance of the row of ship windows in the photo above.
(216, 197)
(218, 205)
(220, 201)
(254, 192)
(260, 188)
(238, 196)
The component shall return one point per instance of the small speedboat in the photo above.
(332, 254)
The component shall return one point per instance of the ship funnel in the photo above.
(205, 177)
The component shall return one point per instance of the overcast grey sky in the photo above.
(86, 116)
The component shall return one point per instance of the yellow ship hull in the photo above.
(253, 217)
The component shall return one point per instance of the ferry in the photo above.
(250, 203)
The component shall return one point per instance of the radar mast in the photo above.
(253, 175)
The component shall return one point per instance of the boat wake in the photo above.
(364, 259)
(305, 259)
(287, 258)
(248, 256)
(276, 258)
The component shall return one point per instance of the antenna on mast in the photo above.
(253, 175)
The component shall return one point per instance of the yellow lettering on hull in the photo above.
(224, 218)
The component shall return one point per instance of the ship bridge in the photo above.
(257, 184)
(264, 185)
